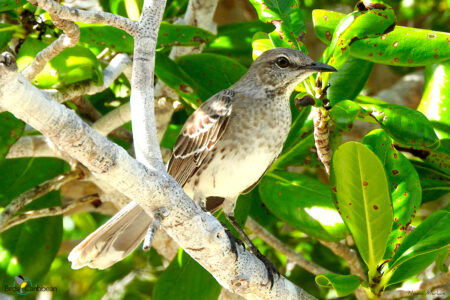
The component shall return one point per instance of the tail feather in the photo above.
(112, 241)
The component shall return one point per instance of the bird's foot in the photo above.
(271, 270)
(233, 242)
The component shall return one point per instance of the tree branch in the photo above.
(53, 184)
(68, 39)
(142, 108)
(198, 232)
(52, 211)
(291, 255)
(86, 16)
(116, 66)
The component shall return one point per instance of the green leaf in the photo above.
(415, 266)
(133, 8)
(431, 235)
(98, 37)
(358, 25)
(343, 284)
(30, 248)
(11, 4)
(404, 185)
(362, 197)
(287, 17)
(191, 94)
(235, 40)
(406, 126)
(325, 23)
(404, 46)
(213, 72)
(71, 65)
(6, 33)
(435, 103)
(344, 113)
(304, 203)
(184, 279)
(435, 181)
(260, 44)
(349, 81)
(11, 130)
(182, 35)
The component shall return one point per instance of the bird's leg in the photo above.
(269, 266)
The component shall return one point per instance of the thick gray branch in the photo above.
(199, 233)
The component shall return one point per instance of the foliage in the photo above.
(378, 185)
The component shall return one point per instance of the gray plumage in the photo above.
(224, 148)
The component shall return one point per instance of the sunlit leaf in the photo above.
(362, 196)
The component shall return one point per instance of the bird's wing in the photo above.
(199, 135)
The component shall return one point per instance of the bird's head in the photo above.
(283, 69)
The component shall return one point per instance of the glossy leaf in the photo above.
(71, 65)
(182, 35)
(98, 37)
(349, 81)
(359, 25)
(344, 113)
(431, 235)
(11, 4)
(211, 71)
(304, 203)
(343, 284)
(235, 40)
(133, 8)
(408, 127)
(434, 181)
(6, 33)
(20, 246)
(404, 46)
(287, 17)
(415, 266)
(177, 79)
(435, 103)
(325, 23)
(362, 197)
(184, 278)
(404, 185)
(11, 130)
(260, 44)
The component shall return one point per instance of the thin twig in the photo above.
(85, 107)
(53, 184)
(110, 73)
(291, 255)
(419, 287)
(113, 119)
(349, 255)
(68, 39)
(86, 16)
(49, 212)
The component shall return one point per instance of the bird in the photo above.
(223, 150)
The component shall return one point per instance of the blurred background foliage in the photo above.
(283, 202)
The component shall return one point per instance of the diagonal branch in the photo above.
(86, 16)
(198, 232)
(48, 212)
(68, 39)
(53, 184)
(293, 256)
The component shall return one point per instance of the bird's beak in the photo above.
(320, 67)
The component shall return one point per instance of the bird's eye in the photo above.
(282, 62)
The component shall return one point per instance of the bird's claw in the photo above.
(233, 242)
(271, 270)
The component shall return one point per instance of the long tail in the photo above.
(113, 241)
